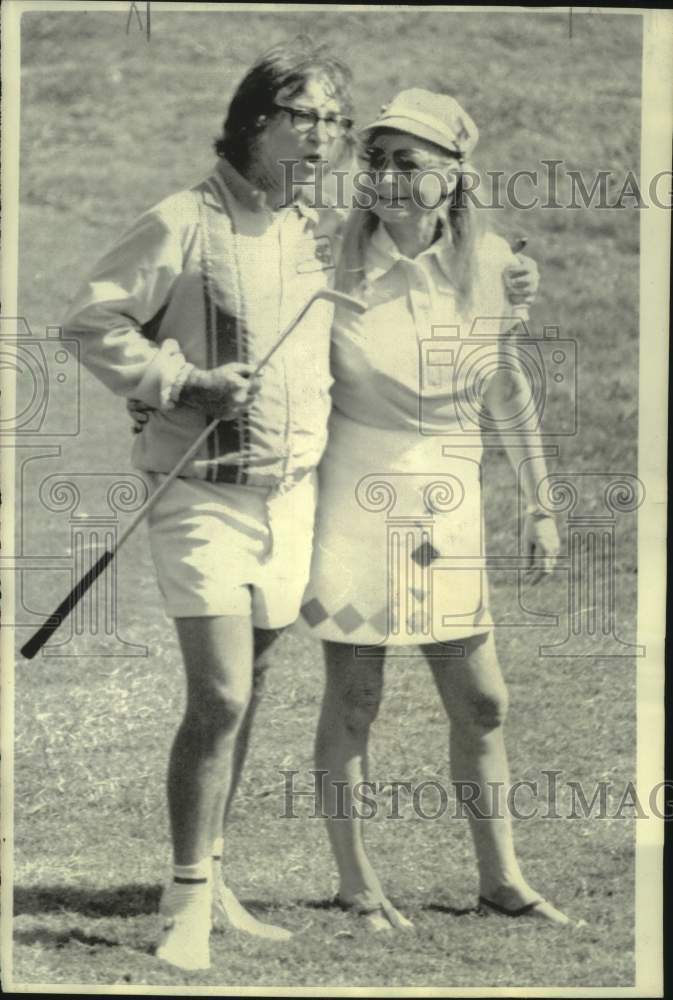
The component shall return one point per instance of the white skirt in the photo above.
(399, 554)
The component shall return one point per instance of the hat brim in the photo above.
(418, 129)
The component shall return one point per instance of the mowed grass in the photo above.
(109, 125)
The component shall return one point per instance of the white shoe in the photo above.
(227, 912)
(185, 938)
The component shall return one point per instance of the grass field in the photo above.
(109, 125)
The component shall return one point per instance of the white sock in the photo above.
(218, 848)
(191, 884)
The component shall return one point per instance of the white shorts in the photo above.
(222, 549)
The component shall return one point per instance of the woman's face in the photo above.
(412, 178)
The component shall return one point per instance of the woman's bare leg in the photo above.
(351, 700)
(474, 696)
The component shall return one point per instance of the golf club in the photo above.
(47, 629)
(522, 312)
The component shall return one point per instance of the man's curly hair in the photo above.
(288, 65)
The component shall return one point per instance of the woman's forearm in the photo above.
(524, 451)
(507, 396)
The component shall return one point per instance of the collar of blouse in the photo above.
(383, 254)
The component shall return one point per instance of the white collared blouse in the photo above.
(417, 358)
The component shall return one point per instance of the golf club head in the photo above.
(340, 298)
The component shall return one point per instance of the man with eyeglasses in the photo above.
(304, 120)
(175, 317)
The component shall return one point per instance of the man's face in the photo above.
(287, 137)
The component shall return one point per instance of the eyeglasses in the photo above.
(303, 120)
(402, 159)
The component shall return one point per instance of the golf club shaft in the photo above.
(194, 448)
(330, 296)
(47, 629)
(522, 312)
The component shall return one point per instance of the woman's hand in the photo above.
(139, 413)
(541, 546)
(522, 281)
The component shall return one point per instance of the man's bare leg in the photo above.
(263, 639)
(217, 653)
(227, 910)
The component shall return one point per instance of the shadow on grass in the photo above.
(134, 901)
(122, 901)
(60, 939)
(331, 904)
(455, 911)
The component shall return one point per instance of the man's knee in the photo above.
(217, 709)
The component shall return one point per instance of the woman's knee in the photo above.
(360, 700)
(472, 689)
(487, 709)
(354, 686)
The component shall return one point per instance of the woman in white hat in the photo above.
(399, 547)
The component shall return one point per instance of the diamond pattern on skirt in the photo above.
(425, 554)
(379, 621)
(313, 612)
(348, 618)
